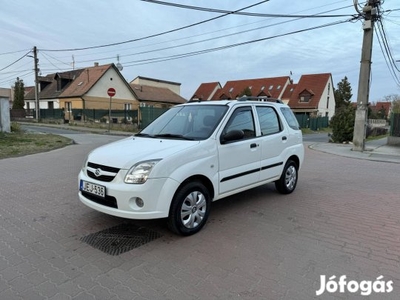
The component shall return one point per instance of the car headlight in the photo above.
(139, 172)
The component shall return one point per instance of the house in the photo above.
(173, 86)
(260, 87)
(83, 89)
(382, 109)
(206, 91)
(312, 96)
(156, 96)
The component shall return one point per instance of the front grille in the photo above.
(107, 201)
(104, 168)
(104, 178)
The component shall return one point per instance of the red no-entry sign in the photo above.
(111, 92)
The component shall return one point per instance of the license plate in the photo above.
(92, 188)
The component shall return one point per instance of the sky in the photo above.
(193, 46)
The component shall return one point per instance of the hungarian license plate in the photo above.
(92, 188)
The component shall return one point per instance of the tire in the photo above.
(189, 209)
(288, 181)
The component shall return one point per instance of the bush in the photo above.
(15, 127)
(342, 124)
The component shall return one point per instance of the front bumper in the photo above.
(156, 194)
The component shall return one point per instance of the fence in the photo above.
(395, 125)
(149, 114)
(313, 123)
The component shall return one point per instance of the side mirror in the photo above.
(233, 135)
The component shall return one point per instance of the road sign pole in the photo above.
(111, 92)
(109, 116)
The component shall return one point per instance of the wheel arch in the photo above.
(296, 159)
(201, 178)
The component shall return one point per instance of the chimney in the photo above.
(96, 64)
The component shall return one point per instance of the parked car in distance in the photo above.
(193, 154)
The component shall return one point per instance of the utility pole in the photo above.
(36, 83)
(370, 12)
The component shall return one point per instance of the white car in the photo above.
(193, 154)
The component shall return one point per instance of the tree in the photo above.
(342, 124)
(19, 92)
(342, 93)
(245, 92)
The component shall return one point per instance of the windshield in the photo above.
(193, 122)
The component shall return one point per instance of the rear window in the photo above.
(290, 118)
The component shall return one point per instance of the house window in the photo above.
(69, 106)
(271, 87)
(279, 87)
(327, 102)
(231, 90)
(263, 87)
(128, 106)
(305, 97)
(51, 105)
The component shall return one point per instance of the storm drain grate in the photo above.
(121, 238)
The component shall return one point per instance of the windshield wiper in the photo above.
(173, 136)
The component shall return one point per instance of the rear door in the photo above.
(239, 160)
(274, 138)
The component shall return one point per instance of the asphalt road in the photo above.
(343, 219)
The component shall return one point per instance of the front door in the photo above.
(239, 160)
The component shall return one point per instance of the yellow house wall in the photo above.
(104, 103)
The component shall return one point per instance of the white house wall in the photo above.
(43, 104)
(111, 80)
(325, 107)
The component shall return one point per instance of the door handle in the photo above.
(254, 145)
(284, 138)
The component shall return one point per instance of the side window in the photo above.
(290, 118)
(269, 121)
(242, 119)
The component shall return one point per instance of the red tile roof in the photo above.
(271, 87)
(313, 84)
(206, 91)
(288, 92)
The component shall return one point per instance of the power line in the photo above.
(387, 55)
(204, 40)
(183, 55)
(15, 61)
(158, 34)
(242, 13)
(206, 33)
(13, 52)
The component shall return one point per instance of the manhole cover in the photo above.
(121, 238)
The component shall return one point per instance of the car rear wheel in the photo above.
(189, 209)
(288, 180)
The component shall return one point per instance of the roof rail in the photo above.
(261, 99)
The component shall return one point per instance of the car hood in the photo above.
(124, 153)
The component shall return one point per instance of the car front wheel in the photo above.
(288, 180)
(189, 209)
